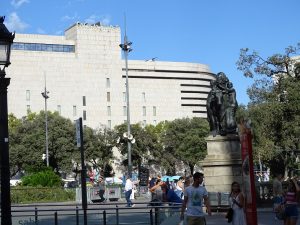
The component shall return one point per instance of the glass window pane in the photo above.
(108, 110)
(124, 96)
(59, 109)
(74, 110)
(83, 101)
(124, 111)
(27, 95)
(84, 115)
(107, 83)
(154, 110)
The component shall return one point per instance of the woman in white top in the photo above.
(236, 201)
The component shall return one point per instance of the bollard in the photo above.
(156, 215)
(117, 215)
(151, 217)
(104, 217)
(55, 219)
(77, 216)
(36, 215)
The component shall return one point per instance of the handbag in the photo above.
(229, 215)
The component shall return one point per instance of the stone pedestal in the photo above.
(222, 164)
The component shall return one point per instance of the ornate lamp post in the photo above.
(6, 40)
(46, 96)
(126, 47)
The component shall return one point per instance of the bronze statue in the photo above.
(221, 106)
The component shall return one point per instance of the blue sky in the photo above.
(200, 31)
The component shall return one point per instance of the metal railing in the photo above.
(106, 214)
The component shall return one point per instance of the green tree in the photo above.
(98, 145)
(27, 143)
(184, 140)
(145, 143)
(274, 104)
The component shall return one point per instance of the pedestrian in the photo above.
(277, 192)
(128, 191)
(193, 199)
(179, 188)
(291, 202)
(157, 193)
(101, 183)
(237, 202)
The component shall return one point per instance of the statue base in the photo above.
(223, 163)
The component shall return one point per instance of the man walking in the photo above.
(128, 191)
(192, 203)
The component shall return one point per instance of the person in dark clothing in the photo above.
(172, 197)
(101, 189)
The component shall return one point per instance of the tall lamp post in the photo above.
(126, 47)
(46, 96)
(6, 40)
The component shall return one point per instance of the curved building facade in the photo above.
(85, 77)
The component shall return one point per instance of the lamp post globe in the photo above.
(6, 40)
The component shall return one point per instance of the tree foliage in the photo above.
(184, 140)
(274, 107)
(27, 144)
(146, 142)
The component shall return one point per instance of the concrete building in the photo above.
(85, 77)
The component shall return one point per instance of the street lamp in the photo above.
(6, 40)
(46, 96)
(126, 47)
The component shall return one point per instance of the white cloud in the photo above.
(67, 17)
(18, 3)
(14, 23)
(105, 20)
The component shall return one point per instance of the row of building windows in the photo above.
(108, 97)
(108, 110)
(43, 47)
(144, 110)
(144, 123)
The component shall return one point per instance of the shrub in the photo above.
(45, 178)
(35, 195)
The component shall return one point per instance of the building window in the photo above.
(109, 124)
(125, 121)
(124, 97)
(107, 83)
(108, 96)
(144, 110)
(154, 122)
(43, 47)
(84, 115)
(74, 110)
(28, 108)
(83, 101)
(144, 123)
(27, 95)
(154, 110)
(124, 111)
(108, 110)
(59, 109)
(144, 97)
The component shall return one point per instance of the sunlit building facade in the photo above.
(85, 76)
